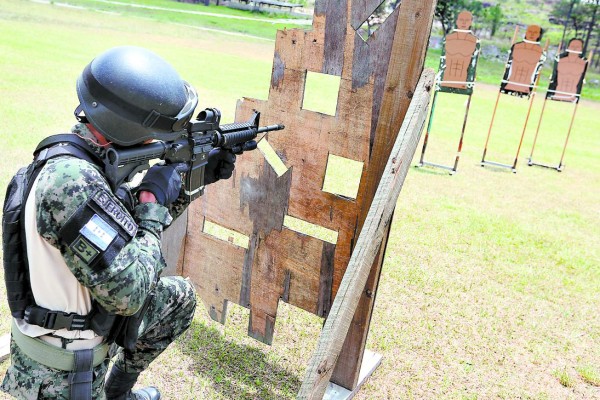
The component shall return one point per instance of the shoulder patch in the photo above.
(125, 220)
(84, 250)
(98, 230)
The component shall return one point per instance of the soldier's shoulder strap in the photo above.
(65, 144)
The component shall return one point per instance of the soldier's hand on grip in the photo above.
(164, 182)
(220, 165)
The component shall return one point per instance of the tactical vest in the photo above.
(16, 268)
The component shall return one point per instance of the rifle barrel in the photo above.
(269, 128)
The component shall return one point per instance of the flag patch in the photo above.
(98, 232)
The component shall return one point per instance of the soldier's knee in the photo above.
(190, 296)
(182, 296)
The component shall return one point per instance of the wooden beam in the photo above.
(349, 364)
(378, 218)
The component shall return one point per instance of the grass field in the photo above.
(491, 285)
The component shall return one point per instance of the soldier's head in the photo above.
(575, 45)
(534, 33)
(131, 95)
(464, 20)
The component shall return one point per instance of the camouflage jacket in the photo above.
(65, 185)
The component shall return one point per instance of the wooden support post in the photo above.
(532, 98)
(369, 242)
(349, 363)
(487, 139)
(462, 134)
(562, 157)
(428, 130)
(406, 61)
(537, 131)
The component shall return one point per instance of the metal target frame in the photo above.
(531, 98)
(550, 96)
(468, 91)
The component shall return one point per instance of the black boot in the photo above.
(119, 384)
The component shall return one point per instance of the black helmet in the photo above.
(130, 94)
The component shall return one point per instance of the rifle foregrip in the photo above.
(229, 140)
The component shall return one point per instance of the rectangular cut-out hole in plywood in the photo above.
(375, 20)
(321, 93)
(227, 235)
(310, 229)
(272, 158)
(342, 176)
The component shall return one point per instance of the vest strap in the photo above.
(80, 381)
(55, 320)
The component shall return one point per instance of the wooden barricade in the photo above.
(269, 260)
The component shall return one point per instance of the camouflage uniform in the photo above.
(64, 185)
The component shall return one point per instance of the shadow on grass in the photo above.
(237, 371)
(495, 168)
(431, 170)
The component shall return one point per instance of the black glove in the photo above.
(220, 165)
(164, 182)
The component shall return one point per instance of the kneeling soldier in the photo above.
(83, 256)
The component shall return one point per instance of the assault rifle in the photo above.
(194, 145)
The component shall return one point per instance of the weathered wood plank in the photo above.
(173, 243)
(335, 33)
(378, 218)
(397, 64)
(406, 63)
(350, 362)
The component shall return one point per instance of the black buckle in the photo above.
(59, 320)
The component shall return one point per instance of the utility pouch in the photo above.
(101, 322)
(128, 331)
(16, 273)
(16, 267)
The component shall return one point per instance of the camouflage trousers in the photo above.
(168, 316)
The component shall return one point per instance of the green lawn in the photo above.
(260, 24)
(491, 283)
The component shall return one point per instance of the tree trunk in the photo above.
(590, 29)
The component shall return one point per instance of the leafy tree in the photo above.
(493, 16)
(446, 11)
(594, 4)
(571, 13)
(578, 15)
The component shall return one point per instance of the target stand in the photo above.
(521, 78)
(560, 165)
(456, 75)
(565, 86)
(452, 169)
